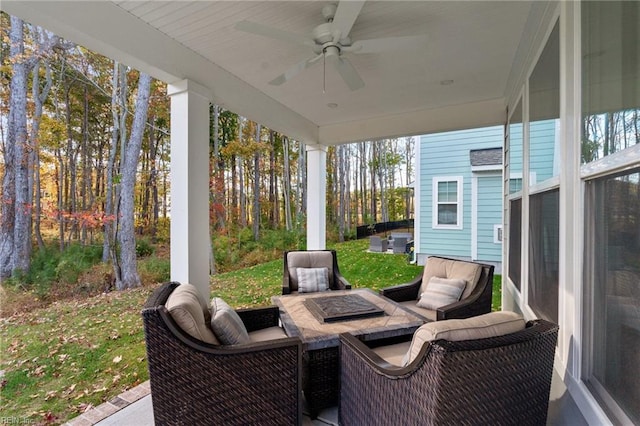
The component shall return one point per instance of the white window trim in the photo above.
(460, 203)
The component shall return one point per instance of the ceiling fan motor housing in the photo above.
(323, 33)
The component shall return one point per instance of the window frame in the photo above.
(459, 180)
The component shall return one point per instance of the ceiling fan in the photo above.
(330, 41)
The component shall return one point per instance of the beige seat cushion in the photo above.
(393, 354)
(308, 259)
(448, 268)
(186, 308)
(269, 333)
(484, 326)
(429, 314)
(226, 324)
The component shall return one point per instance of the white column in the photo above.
(190, 185)
(316, 197)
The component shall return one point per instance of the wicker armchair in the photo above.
(502, 380)
(194, 382)
(311, 259)
(472, 303)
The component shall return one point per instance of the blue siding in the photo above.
(542, 136)
(447, 154)
(516, 149)
(489, 215)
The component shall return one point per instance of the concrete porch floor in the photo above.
(133, 408)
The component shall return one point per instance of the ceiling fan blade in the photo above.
(294, 70)
(348, 73)
(379, 45)
(346, 15)
(274, 33)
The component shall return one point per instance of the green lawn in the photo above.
(255, 285)
(60, 360)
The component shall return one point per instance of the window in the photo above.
(516, 138)
(612, 275)
(515, 241)
(610, 123)
(544, 255)
(544, 111)
(515, 184)
(447, 202)
(610, 77)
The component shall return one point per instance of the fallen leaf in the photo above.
(117, 359)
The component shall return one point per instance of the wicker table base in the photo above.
(321, 363)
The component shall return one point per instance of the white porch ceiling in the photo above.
(473, 43)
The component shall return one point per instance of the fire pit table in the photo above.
(318, 319)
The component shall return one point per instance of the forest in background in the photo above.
(83, 136)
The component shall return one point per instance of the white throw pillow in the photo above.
(313, 279)
(226, 324)
(441, 292)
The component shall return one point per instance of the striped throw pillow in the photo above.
(312, 279)
(441, 292)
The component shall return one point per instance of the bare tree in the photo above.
(128, 272)
(118, 90)
(14, 255)
(340, 154)
(256, 187)
(39, 94)
(286, 183)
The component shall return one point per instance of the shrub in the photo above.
(154, 270)
(144, 247)
(163, 230)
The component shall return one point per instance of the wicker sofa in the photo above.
(474, 300)
(198, 382)
(311, 259)
(500, 380)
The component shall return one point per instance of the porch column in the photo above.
(190, 184)
(316, 197)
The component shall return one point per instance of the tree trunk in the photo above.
(256, 187)
(362, 148)
(341, 190)
(409, 170)
(109, 225)
(382, 167)
(218, 172)
(286, 183)
(273, 193)
(127, 239)
(373, 162)
(301, 180)
(38, 98)
(16, 136)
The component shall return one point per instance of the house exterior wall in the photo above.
(543, 162)
(446, 156)
(489, 205)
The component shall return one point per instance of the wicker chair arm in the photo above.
(259, 318)
(477, 303)
(351, 346)
(341, 282)
(403, 292)
(286, 285)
